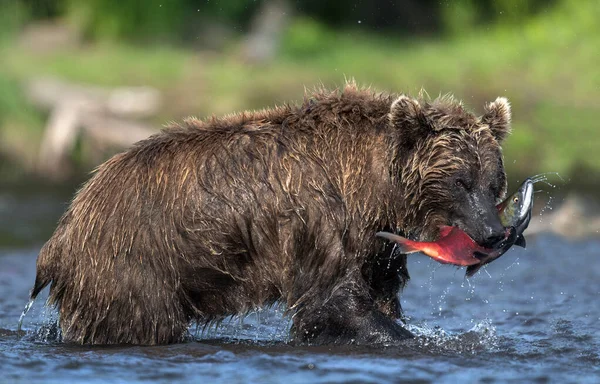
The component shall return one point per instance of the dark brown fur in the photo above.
(215, 218)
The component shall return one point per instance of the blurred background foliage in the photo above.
(542, 55)
(152, 19)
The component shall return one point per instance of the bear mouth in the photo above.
(453, 246)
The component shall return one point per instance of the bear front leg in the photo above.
(387, 275)
(347, 316)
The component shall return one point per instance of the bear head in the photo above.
(451, 169)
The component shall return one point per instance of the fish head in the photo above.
(515, 211)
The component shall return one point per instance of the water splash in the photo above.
(543, 178)
(47, 328)
(546, 207)
(27, 308)
(442, 300)
(49, 332)
(480, 337)
(258, 326)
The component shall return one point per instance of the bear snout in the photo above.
(486, 231)
(493, 234)
(493, 239)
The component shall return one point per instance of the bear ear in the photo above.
(407, 117)
(497, 116)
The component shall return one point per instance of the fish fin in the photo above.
(479, 255)
(472, 269)
(402, 242)
(521, 241)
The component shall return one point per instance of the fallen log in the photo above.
(126, 102)
(105, 117)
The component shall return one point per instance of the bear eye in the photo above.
(462, 184)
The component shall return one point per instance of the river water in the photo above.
(532, 315)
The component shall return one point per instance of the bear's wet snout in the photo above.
(493, 235)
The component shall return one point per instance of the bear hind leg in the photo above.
(126, 311)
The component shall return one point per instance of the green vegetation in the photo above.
(545, 64)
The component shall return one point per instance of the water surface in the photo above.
(531, 315)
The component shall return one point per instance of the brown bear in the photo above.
(215, 218)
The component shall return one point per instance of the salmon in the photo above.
(454, 246)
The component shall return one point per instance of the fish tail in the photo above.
(472, 269)
(404, 245)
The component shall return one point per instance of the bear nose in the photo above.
(493, 236)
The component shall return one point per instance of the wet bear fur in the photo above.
(215, 218)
